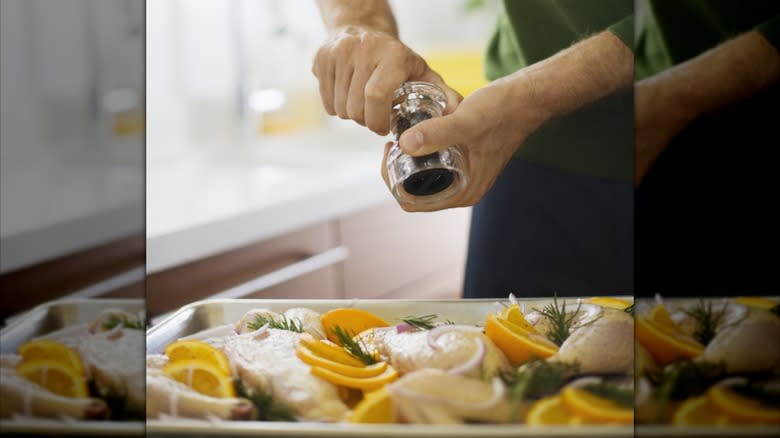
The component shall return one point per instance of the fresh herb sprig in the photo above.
(268, 409)
(536, 379)
(776, 310)
(114, 320)
(424, 322)
(356, 348)
(706, 319)
(630, 309)
(622, 396)
(561, 324)
(283, 323)
(682, 379)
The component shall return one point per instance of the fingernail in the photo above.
(414, 141)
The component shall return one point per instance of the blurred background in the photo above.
(253, 191)
(72, 151)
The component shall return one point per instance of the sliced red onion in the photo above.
(498, 394)
(584, 381)
(259, 332)
(679, 317)
(474, 360)
(434, 333)
(513, 299)
(732, 381)
(403, 327)
(533, 317)
(643, 391)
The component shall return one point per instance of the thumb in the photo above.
(432, 135)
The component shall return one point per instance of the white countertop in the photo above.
(61, 198)
(208, 198)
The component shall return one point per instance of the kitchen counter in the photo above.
(208, 198)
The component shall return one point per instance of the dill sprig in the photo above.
(536, 379)
(682, 379)
(356, 348)
(706, 319)
(622, 396)
(283, 323)
(424, 322)
(630, 309)
(561, 325)
(127, 322)
(268, 409)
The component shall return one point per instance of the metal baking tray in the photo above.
(49, 317)
(206, 314)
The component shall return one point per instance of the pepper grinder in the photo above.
(428, 179)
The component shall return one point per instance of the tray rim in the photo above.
(341, 301)
(20, 318)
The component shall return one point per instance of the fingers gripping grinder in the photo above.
(428, 179)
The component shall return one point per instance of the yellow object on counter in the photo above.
(461, 69)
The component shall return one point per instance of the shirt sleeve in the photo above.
(770, 29)
(624, 29)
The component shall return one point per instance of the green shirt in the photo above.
(676, 30)
(598, 139)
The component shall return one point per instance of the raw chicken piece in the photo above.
(115, 361)
(603, 346)
(267, 362)
(410, 351)
(433, 396)
(242, 326)
(748, 346)
(23, 397)
(309, 319)
(167, 396)
(727, 314)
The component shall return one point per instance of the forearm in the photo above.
(375, 14)
(728, 73)
(574, 77)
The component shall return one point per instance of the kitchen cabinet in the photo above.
(109, 270)
(385, 253)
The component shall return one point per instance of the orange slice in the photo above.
(549, 411)
(329, 350)
(514, 315)
(376, 407)
(364, 383)
(353, 321)
(312, 359)
(595, 409)
(518, 345)
(51, 352)
(740, 408)
(698, 411)
(760, 302)
(194, 349)
(56, 377)
(202, 376)
(611, 302)
(663, 338)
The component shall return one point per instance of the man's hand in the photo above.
(492, 123)
(667, 102)
(363, 62)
